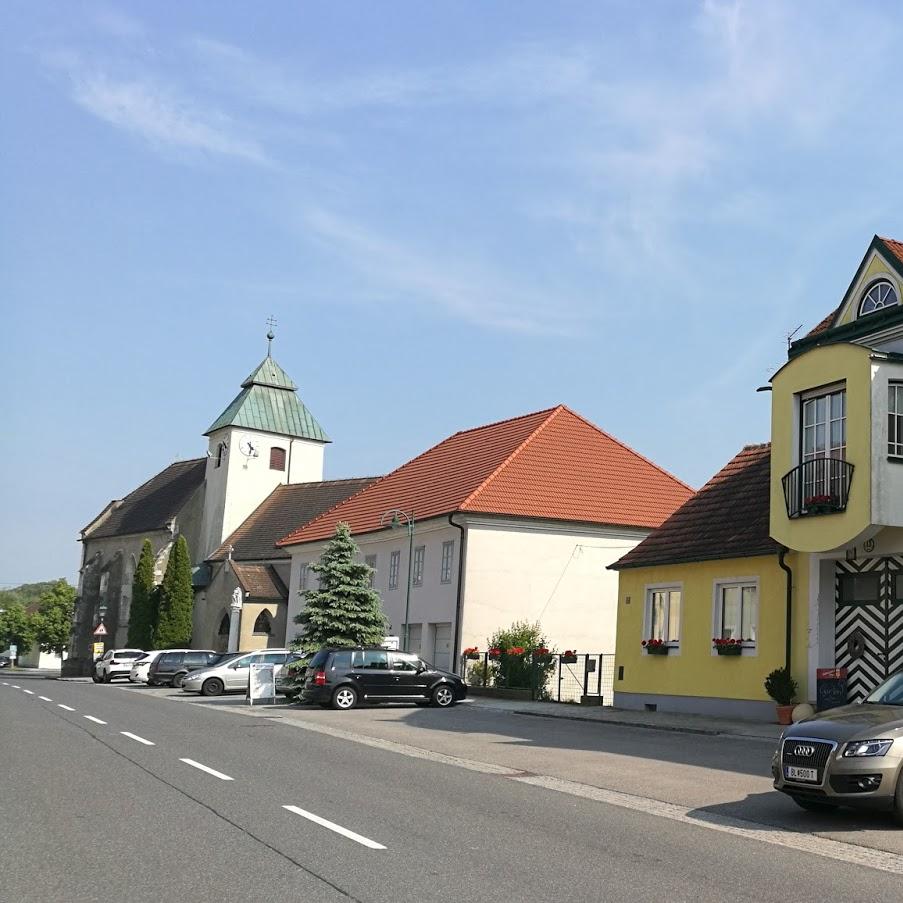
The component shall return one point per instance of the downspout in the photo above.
(789, 603)
(460, 595)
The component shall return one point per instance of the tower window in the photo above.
(262, 624)
(277, 459)
(220, 451)
(879, 295)
(224, 626)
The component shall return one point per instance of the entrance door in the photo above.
(868, 623)
(442, 647)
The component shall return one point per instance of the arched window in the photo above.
(277, 459)
(220, 451)
(262, 624)
(879, 295)
(224, 626)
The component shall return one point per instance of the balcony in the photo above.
(819, 486)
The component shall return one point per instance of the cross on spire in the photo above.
(271, 323)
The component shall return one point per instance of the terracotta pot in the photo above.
(785, 714)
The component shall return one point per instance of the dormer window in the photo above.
(880, 295)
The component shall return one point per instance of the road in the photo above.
(114, 792)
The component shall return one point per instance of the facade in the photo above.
(512, 521)
(834, 503)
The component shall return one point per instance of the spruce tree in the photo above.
(344, 610)
(176, 600)
(142, 615)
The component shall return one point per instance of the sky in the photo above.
(457, 213)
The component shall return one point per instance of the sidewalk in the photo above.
(662, 721)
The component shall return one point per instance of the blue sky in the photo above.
(458, 212)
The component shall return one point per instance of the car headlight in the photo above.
(867, 748)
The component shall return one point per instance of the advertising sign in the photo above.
(831, 687)
(98, 650)
(261, 683)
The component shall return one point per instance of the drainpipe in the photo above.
(460, 596)
(786, 569)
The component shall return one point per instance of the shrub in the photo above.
(781, 686)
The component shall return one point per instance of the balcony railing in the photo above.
(819, 486)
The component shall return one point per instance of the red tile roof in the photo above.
(727, 518)
(260, 582)
(552, 465)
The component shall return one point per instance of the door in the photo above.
(235, 675)
(442, 647)
(415, 638)
(868, 621)
(371, 673)
(408, 680)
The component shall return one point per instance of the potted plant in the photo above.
(781, 687)
(495, 652)
(727, 646)
(541, 654)
(569, 657)
(655, 647)
(820, 504)
(471, 652)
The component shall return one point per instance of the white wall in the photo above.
(546, 572)
(887, 475)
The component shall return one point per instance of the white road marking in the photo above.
(29, 692)
(66, 707)
(137, 738)
(92, 718)
(332, 826)
(15, 686)
(213, 771)
(5, 684)
(45, 698)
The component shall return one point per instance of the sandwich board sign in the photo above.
(98, 649)
(261, 683)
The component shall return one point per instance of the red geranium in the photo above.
(653, 642)
(470, 650)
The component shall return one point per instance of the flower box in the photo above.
(735, 649)
(472, 655)
(495, 653)
(657, 650)
(569, 658)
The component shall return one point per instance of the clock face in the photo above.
(247, 445)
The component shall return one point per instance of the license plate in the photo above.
(793, 773)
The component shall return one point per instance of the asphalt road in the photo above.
(92, 811)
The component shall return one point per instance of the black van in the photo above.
(170, 667)
(343, 677)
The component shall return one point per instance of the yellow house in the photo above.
(795, 548)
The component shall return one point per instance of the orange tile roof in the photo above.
(552, 464)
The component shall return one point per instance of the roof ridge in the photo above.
(633, 451)
(554, 412)
(485, 426)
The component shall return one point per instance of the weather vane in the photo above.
(271, 323)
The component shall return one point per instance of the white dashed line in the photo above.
(332, 826)
(92, 718)
(5, 684)
(66, 707)
(15, 686)
(45, 698)
(29, 692)
(213, 771)
(136, 738)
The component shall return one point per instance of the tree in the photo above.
(176, 599)
(52, 622)
(16, 628)
(344, 610)
(521, 670)
(143, 613)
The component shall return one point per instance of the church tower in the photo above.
(266, 436)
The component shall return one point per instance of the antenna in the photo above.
(790, 335)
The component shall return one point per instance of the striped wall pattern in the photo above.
(868, 639)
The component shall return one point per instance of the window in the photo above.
(860, 589)
(663, 614)
(370, 561)
(224, 626)
(374, 659)
(341, 661)
(272, 658)
(895, 419)
(302, 578)
(262, 624)
(737, 613)
(448, 556)
(220, 452)
(277, 459)
(419, 555)
(398, 661)
(394, 565)
(879, 295)
(824, 436)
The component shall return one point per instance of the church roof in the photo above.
(286, 508)
(151, 506)
(269, 402)
(552, 465)
(260, 582)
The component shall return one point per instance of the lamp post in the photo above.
(395, 517)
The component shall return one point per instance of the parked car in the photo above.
(231, 674)
(171, 666)
(343, 677)
(115, 663)
(138, 674)
(5, 661)
(848, 756)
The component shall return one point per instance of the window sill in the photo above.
(895, 459)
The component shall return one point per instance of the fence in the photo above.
(547, 677)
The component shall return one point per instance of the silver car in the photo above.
(849, 756)
(231, 674)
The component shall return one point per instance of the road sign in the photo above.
(13, 650)
(98, 649)
(100, 630)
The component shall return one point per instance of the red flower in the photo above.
(470, 650)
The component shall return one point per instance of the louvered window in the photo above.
(277, 459)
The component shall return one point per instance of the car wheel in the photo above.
(443, 696)
(344, 698)
(177, 680)
(213, 686)
(898, 802)
(107, 678)
(95, 678)
(814, 805)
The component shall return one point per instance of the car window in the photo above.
(211, 658)
(341, 661)
(194, 659)
(375, 659)
(319, 660)
(170, 658)
(398, 661)
(130, 654)
(273, 658)
(888, 693)
(242, 662)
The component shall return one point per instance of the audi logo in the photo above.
(803, 750)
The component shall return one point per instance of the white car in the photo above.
(115, 663)
(138, 674)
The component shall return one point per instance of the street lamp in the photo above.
(396, 518)
(102, 611)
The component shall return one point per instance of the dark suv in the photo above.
(343, 677)
(170, 667)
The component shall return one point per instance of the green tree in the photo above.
(16, 628)
(52, 623)
(143, 613)
(176, 599)
(344, 610)
(521, 670)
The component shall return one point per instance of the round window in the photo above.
(880, 295)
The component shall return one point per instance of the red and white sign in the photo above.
(100, 630)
